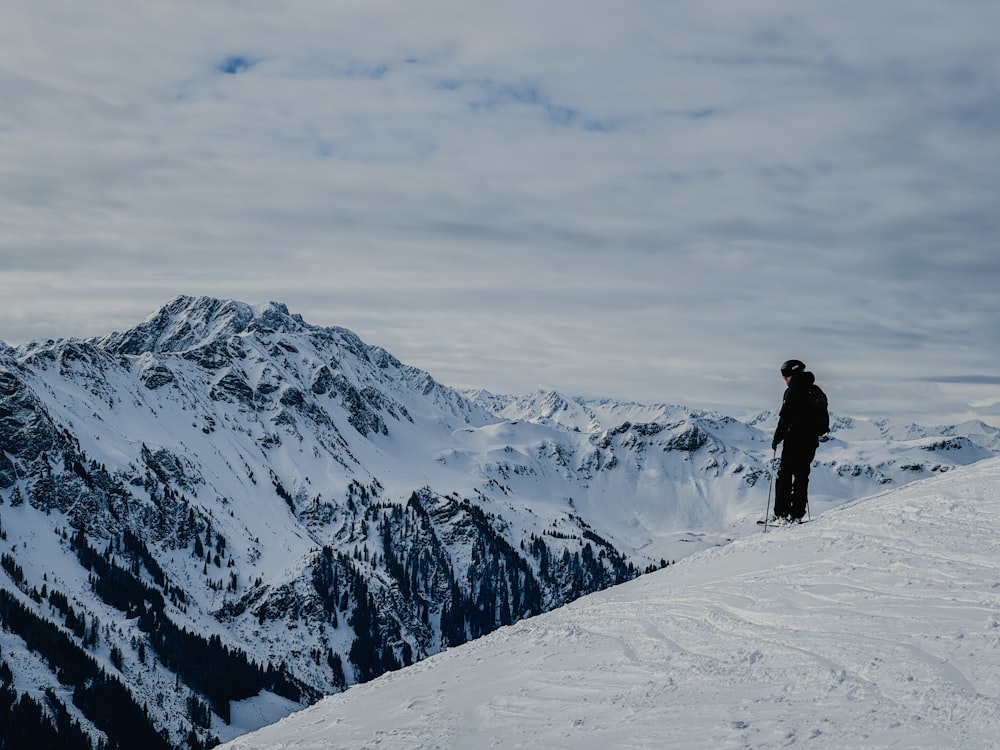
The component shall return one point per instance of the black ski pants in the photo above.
(791, 492)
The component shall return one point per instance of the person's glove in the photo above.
(774, 444)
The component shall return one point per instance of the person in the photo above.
(797, 431)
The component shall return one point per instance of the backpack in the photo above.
(819, 411)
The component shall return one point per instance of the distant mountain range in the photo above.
(226, 500)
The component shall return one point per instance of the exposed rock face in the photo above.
(226, 500)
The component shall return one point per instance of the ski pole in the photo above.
(770, 484)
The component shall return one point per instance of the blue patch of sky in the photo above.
(603, 126)
(361, 69)
(448, 84)
(236, 64)
(702, 113)
(490, 96)
(324, 66)
(561, 115)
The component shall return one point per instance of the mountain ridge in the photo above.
(229, 480)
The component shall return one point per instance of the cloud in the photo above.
(656, 201)
(965, 379)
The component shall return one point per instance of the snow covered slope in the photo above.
(226, 504)
(876, 625)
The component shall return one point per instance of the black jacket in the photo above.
(794, 423)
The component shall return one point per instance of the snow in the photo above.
(255, 712)
(657, 481)
(875, 625)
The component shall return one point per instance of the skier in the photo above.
(798, 430)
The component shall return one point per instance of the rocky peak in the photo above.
(187, 323)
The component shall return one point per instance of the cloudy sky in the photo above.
(657, 200)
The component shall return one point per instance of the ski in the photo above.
(778, 522)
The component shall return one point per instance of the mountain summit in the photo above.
(224, 513)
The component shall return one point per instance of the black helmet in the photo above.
(791, 367)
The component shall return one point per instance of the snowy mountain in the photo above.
(224, 513)
(876, 625)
